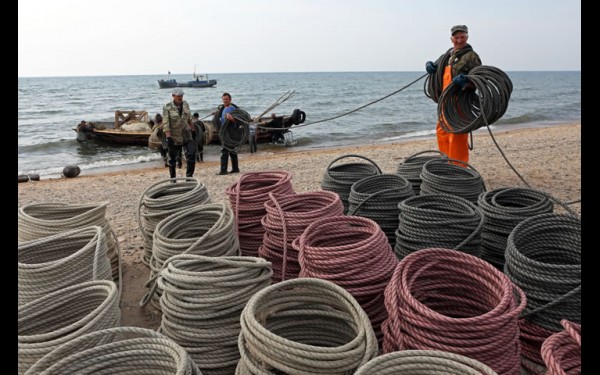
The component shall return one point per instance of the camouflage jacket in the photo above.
(179, 126)
(463, 60)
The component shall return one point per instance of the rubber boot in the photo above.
(234, 164)
(224, 160)
(189, 168)
(172, 171)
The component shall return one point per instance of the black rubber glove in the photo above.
(430, 67)
(460, 80)
(170, 141)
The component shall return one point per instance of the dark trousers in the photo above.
(190, 155)
(225, 155)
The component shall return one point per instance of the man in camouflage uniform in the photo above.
(180, 132)
(455, 63)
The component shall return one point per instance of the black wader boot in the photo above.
(189, 168)
(234, 164)
(224, 160)
(172, 171)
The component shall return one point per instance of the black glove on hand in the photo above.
(430, 67)
(170, 141)
(460, 80)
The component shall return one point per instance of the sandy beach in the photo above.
(548, 158)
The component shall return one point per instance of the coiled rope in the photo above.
(340, 178)
(64, 259)
(286, 219)
(234, 135)
(166, 198)
(117, 350)
(304, 326)
(412, 166)
(50, 321)
(451, 176)
(247, 197)
(442, 299)
(206, 229)
(543, 257)
(503, 209)
(354, 253)
(203, 298)
(561, 351)
(438, 220)
(424, 362)
(377, 198)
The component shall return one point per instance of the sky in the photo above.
(141, 37)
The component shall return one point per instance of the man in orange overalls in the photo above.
(457, 62)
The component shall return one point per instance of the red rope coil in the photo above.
(561, 351)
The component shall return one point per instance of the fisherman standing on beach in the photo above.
(225, 119)
(453, 65)
(180, 132)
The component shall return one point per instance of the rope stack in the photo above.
(61, 260)
(412, 166)
(543, 257)
(166, 198)
(247, 197)
(451, 176)
(442, 299)
(206, 229)
(351, 252)
(117, 350)
(340, 178)
(561, 351)
(304, 326)
(45, 219)
(286, 219)
(438, 220)
(233, 136)
(202, 301)
(424, 362)
(377, 198)
(50, 321)
(503, 209)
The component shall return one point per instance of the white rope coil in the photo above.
(118, 350)
(55, 262)
(202, 301)
(53, 320)
(304, 326)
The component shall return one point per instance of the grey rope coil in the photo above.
(451, 176)
(55, 262)
(58, 317)
(117, 350)
(45, 219)
(304, 326)
(207, 229)
(339, 178)
(412, 166)
(503, 209)
(377, 198)
(203, 298)
(424, 362)
(285, 220)
(434, 83)
(234, 135)
(438, 220)
(163, 199)
(561, 351)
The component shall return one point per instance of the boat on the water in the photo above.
(199, 80)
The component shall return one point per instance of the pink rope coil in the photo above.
(448, 300)
(286, 219)
(561, 351)
(247, 197)
(352, 252)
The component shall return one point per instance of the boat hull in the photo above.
(171, 83)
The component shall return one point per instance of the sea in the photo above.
(342, 109)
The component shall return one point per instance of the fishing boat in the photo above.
(128, 128)
(199, 80)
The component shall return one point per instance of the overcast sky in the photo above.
(133, 37)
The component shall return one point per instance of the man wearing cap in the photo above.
(451, 67)
(180, 132)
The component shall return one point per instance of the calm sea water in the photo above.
(50, 107)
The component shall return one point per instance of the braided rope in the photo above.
(447, 300)
(43, 264)
(234, 135)
(451, 176)
(58, 317)
(561, 351)
(117, 350)
(304, 326)
(412, 166)
(202, 301)
(165, 198)
(286, 219)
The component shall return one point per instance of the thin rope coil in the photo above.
(443, 299)
(561, 351)
(438, 220)
(202, 300)
(424, 362)
(339, 178)
(247, 197)
(352, 252)
(412, 166)
(503, 209)
(285, 220)
(451, 176)
(64, 259)
(122, 350)
(58, 317)
(165, 198)
(234, 135)
(304, 326)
